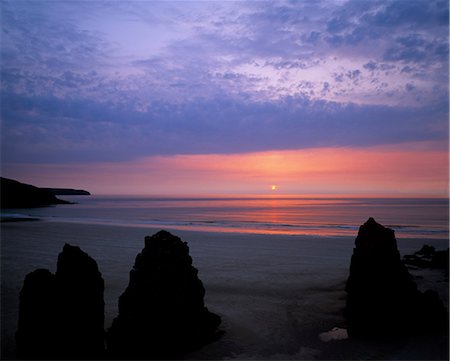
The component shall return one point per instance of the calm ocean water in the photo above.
(416, 218)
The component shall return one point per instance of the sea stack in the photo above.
(162, 313)
(61, 316)
(37, 330)
(382, 299)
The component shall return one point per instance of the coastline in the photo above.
(275, 293)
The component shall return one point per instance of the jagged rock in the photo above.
(61, 316)
(162, 313)
(426, 250)
(382, 298)
(427, 256)
(37, 329)
(440, 259)
(82, 308)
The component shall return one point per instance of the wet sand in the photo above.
(276, 293)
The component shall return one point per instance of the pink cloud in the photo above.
(415, 169)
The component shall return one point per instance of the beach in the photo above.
(270, 136)
(275, 293)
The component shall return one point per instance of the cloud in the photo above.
(366, 171)
(414, 48)
(96, 81)
(275, 44)
(42, 129)
(39, 37)
(411, 14)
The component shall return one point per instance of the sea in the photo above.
(320, 216)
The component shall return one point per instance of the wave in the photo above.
(331, 217)
(250, 226)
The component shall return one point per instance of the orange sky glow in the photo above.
(410, 171)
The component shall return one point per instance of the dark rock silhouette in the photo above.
(61, 316)
(37, 329)
(14, 194)
(440, 259)
(67, 192)
(80, 290)
(382, 298)
(428, 257)
(426, 250)
(162, 313)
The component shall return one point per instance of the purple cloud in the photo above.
(93, 81)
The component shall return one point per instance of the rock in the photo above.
(37, 329)
(19, 195)
(61, 316)
(382, 298)
(426, 250)
(82, 310)
(68, 192)
(162, 313)
(428, 257)
(440, 259)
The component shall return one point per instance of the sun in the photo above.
(274, 187)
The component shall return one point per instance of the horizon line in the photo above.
(276, 195)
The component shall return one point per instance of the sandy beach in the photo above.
(268, 136)
(275, 293)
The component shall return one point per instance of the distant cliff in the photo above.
(67, 192)
(14, 194)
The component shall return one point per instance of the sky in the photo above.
(224, 97)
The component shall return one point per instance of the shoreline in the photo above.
(275, 293)
(216, 229)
